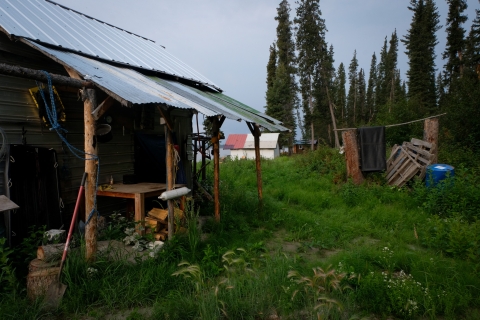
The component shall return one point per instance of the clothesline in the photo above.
(398, 124)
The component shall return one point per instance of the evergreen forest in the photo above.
(313, 96)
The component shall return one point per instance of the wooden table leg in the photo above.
(140, 211)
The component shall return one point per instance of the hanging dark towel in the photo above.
(372, 149)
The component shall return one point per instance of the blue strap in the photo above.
(52, 118)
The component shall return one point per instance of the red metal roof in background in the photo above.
(235, 141)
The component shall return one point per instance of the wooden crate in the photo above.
(402, 168)
(409, 160)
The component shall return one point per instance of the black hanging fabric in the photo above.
(372, 149)
(35, 188)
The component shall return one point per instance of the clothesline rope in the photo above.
(398, 124)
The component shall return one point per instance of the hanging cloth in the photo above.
(372, 149)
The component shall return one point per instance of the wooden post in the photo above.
(90, 103)
(352, 156)
(169, 128)
(194, 176)
(255, 130)
(204, 172)
(216, 175)
(430, 134)
(170, 184)
(216, 125)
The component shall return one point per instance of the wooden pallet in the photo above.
(409, 160)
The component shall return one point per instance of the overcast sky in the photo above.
(228, 40)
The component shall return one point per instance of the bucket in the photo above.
(438, 172)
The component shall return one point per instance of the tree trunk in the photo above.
(352, 156)
(334, 121)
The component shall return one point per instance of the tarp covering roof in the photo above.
(246, 141)
(50, 23)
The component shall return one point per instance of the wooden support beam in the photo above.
(216, 125)
(352, 156)
(102, 108)
(204, 171)
(170, 171)
(38, 75)
(166, 116)
(91, 167)
(430, 134)
(255, 130)
(72, 73)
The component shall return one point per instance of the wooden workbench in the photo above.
(137, 191)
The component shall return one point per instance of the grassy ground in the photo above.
(321, 247)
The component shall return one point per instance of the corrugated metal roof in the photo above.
(50, 23)
(131, 87)
(126, 85)
(235, 141)
(246, 112)
(228, 106)
(267, 141)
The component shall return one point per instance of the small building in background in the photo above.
(300, 146)
(242, 146)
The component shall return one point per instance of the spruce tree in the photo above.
(391, 69)
(271, 73)
(461, 98)
(381, 87)
(361, 97)
(310, 35)
(372, 81)
(271, 66)
(420, 43)
(340, 99)
(473, 43)
(455, 46)
(353, 90)
(281, 97)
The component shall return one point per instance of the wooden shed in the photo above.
(100, 75)
(242, 146)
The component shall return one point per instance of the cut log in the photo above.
(39, 281)
(37, 264)
(160, 214)
(50, 252)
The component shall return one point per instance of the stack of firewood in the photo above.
(408, 161)
(156, 222)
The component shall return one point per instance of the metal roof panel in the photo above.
(129, 86)
(235, 141)
(50, 23)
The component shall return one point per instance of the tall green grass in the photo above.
(405, 253)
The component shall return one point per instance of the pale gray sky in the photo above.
(228, 40)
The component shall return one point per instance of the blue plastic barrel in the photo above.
(438, 172)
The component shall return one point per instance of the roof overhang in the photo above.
(131, 87)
